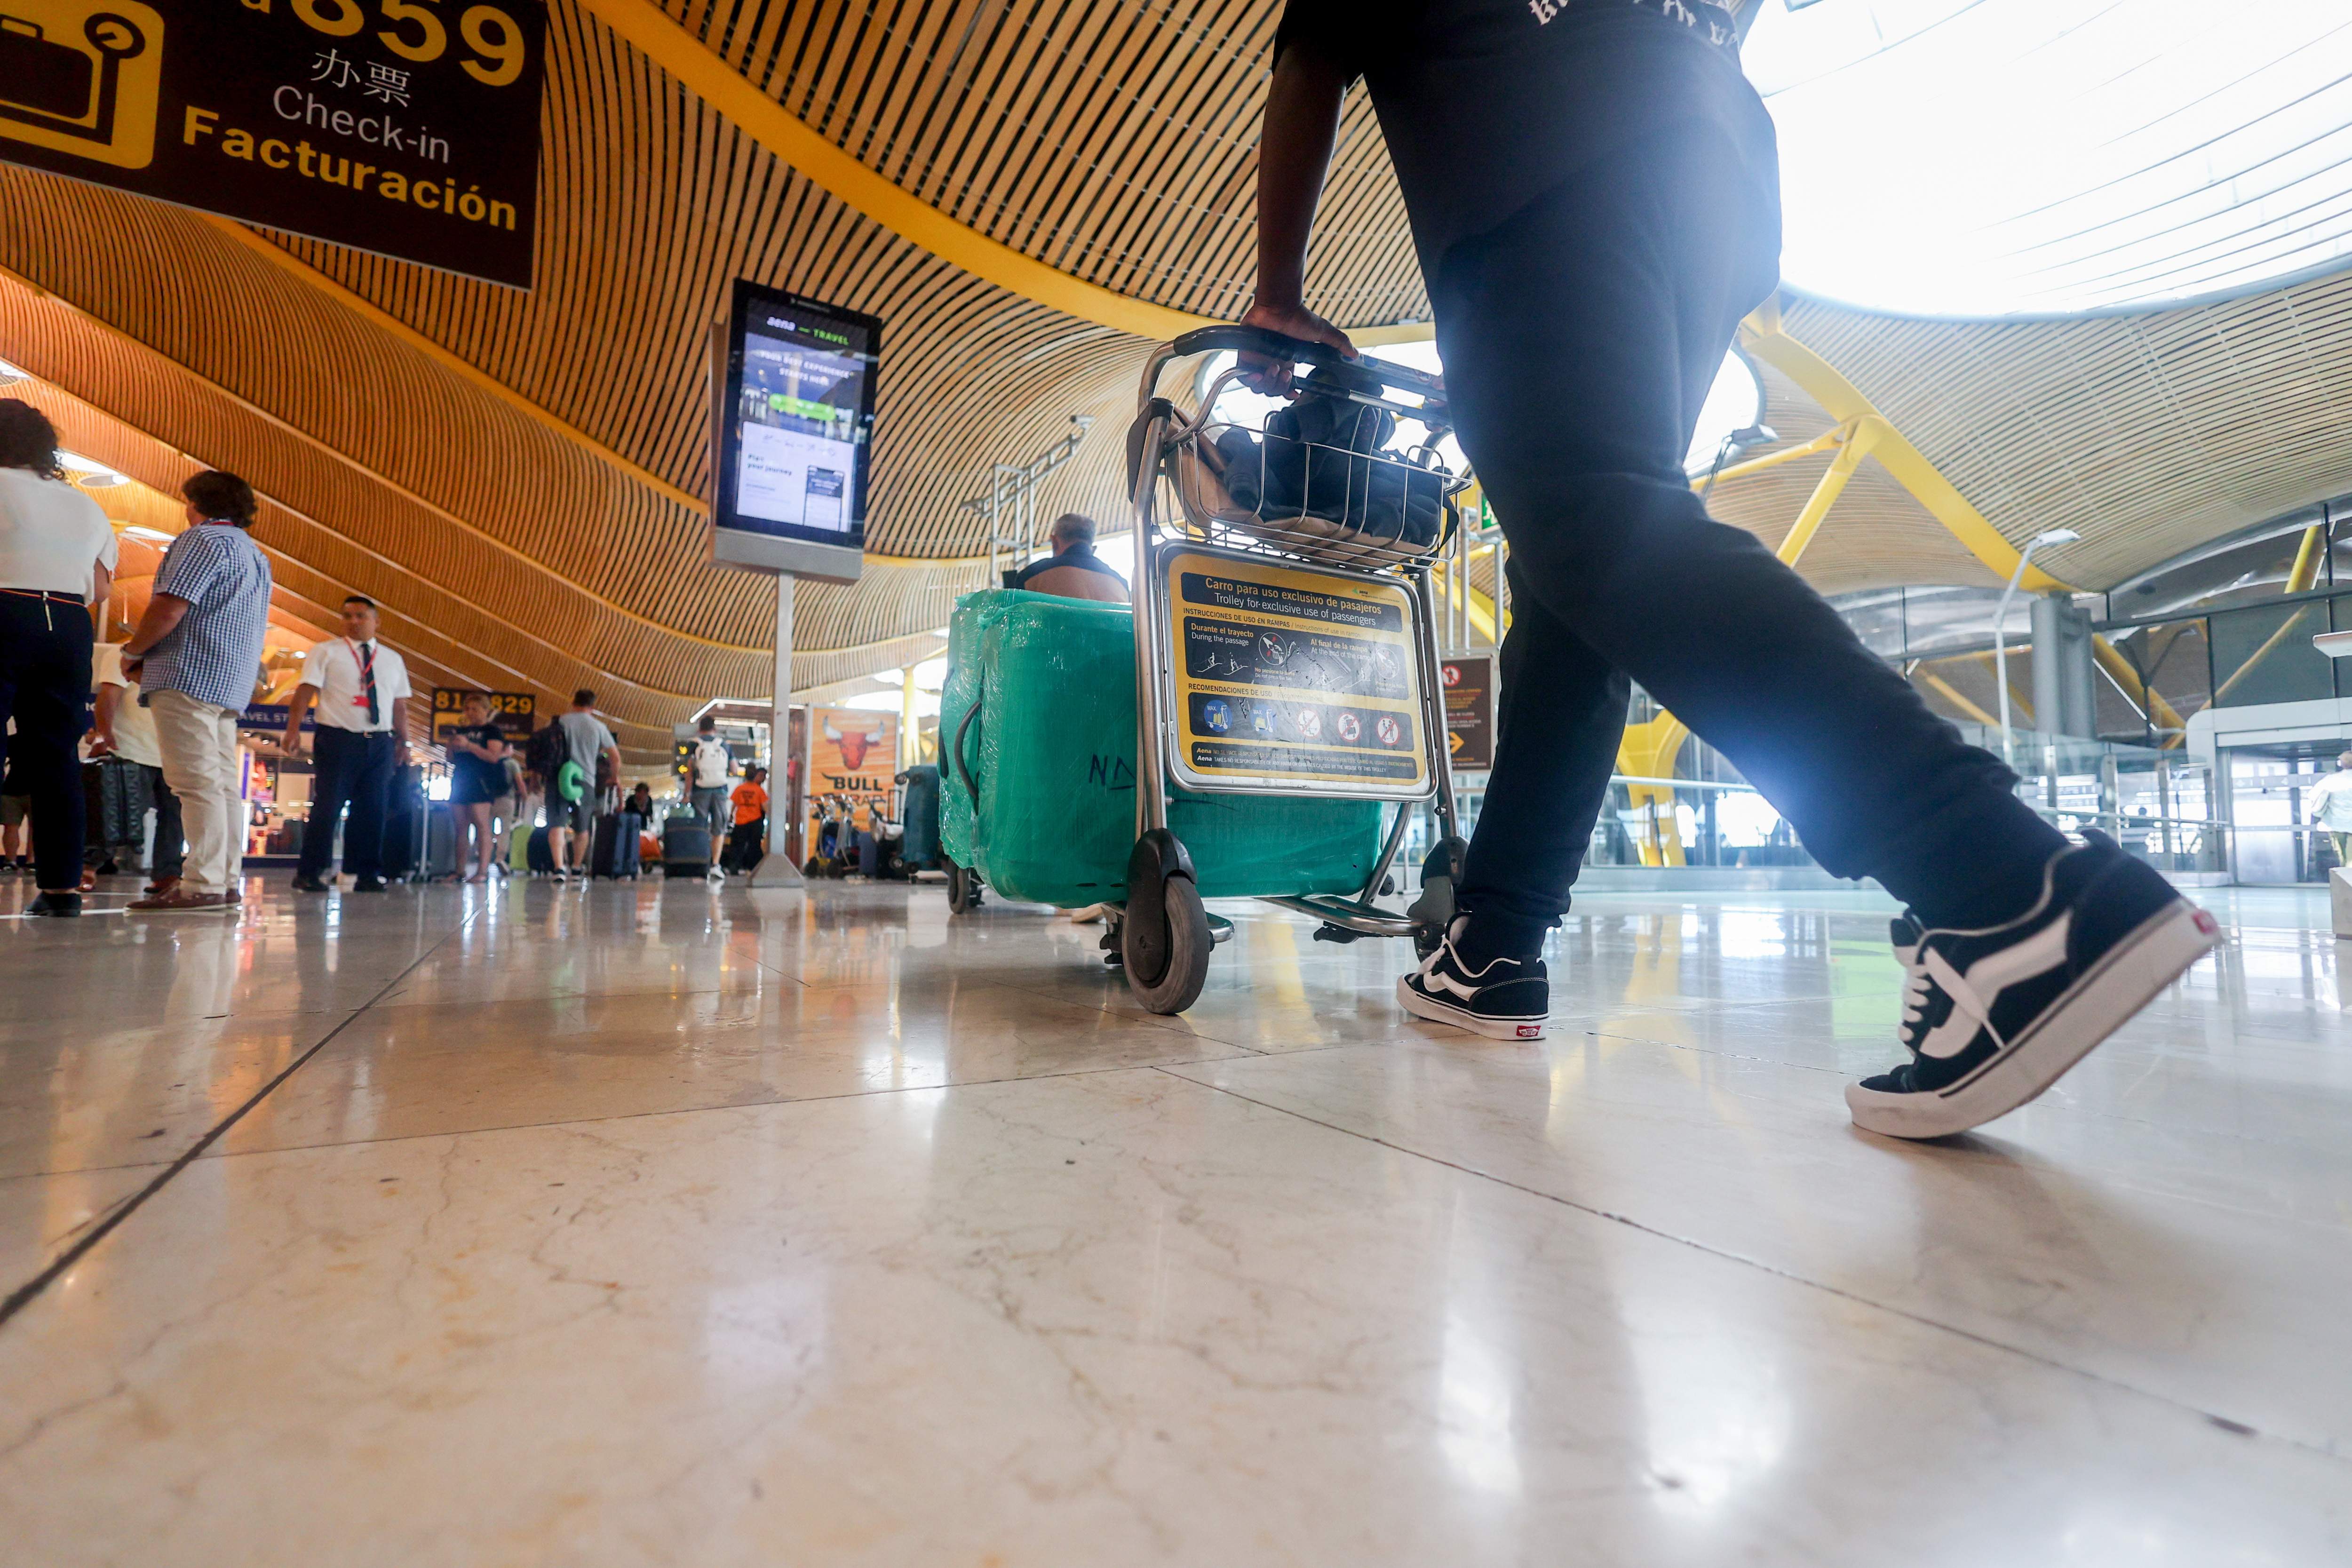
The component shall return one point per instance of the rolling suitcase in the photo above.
(537, 857)
(440, 843)
(615, 852)
(922, 812)
(686, 847)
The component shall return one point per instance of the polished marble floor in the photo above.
(652, 1224)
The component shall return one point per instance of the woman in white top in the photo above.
(56, 564)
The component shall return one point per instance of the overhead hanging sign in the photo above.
(516, 713)
(1286, 676)
(406, 127)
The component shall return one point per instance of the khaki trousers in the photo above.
(198, 741)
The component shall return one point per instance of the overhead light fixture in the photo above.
(87, 474)
(153, 535)
(9, 374)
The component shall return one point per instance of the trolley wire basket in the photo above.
(1319, 480)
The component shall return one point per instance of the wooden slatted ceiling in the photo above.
(2148, 434)
(1116, 139)
(1111, 138)
(1876, 536)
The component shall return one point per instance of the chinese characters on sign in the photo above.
(407, 127)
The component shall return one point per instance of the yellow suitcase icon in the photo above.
(81, 77)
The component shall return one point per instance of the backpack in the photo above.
(545, 751)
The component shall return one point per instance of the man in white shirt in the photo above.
(2331, 807)
(707, 764)
(361, 689)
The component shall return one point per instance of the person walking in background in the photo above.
(709, 764)
(194, 653)
(1074, 571)
(122, 728)
(641, 802)
(751, 817)
(2331, 807)
(58, 554)
(571, 793)
(1594, 194)
(361, 689)
(478, 756)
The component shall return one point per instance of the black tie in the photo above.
(367, 678)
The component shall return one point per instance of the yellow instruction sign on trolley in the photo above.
(1288, 676)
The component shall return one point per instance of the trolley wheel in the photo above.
(1167, 960)
(963, 889)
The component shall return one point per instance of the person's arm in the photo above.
(102, 588)
(164, 611)
(400, 730)
(1294, 151)
(109, 700)
(297, 707)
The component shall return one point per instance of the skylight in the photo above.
(1992, 157)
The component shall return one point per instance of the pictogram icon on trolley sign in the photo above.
(1387, 730)
(1452, 674)
(1310, 723)
(1350, 727)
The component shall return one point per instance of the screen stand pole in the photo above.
(776, 868)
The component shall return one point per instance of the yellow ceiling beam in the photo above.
(1764, 336)
(718, 84)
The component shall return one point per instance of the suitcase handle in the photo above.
(19, 24)
(961, 766)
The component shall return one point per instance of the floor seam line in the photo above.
(703, 1109)
(24, 1295)
(1630, 1223)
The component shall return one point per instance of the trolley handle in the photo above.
(1371, 376)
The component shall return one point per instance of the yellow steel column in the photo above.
(2307, 557)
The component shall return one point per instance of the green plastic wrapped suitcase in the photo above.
(1050, 756)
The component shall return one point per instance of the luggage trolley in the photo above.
(1285, 635)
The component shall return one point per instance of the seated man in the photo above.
(1074, 571)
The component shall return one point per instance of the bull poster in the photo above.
(853, 762)
(406, 127)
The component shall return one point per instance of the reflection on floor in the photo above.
(650, 1224)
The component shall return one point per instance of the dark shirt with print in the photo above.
(1489, 104)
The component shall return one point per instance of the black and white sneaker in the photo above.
(1502, 999)
(1993, 1017)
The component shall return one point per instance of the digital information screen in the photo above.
(793, 411)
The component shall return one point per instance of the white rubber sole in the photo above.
(2101, 1002)
(1421, 1006)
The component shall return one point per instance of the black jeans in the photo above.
(45, 686)
(355, 769)
(1579, 340)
